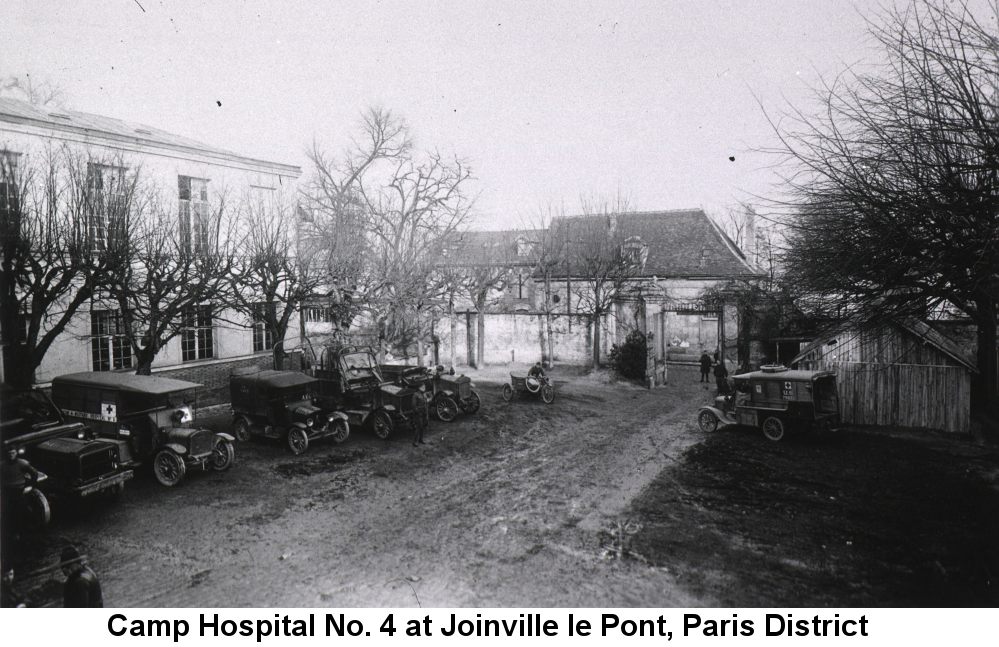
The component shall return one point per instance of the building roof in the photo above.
(488, 248)
(920, 329)
(112, 130)
(150, 384)
(684, 243)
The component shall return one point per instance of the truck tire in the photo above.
(168, 467)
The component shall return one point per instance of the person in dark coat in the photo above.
(705, 367)
(81, 590)
(720, 374)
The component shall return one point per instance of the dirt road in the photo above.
(608, 497)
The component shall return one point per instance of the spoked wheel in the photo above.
(472, 403)
(447, 408)
(341, 429)
(241, 429)
(707, 421)
(298, 440)
(381, 424)
(37, 512)
(168, 467)
(548, 393)
(507, 392)
(773, 428)
(223, 455)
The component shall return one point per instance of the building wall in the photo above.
(230, 180)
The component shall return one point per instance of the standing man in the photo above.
(705, 366)
(720, 374)
(81, 590)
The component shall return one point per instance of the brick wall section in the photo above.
(214, 377)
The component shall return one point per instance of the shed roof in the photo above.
(278, 379)
(918, 328)
(130, 382)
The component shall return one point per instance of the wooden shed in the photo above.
(906, 374)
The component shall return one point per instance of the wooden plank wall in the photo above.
(906, 395)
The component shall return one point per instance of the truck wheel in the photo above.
(37, 512)
(773, 428)
(223, 455)
(168, 467)
(548, 393)
(447, 408)
(472, 403)
(298, 440)
(241, 429)
(341, 429)
(507, 392)
(707, 421)
(381, 424)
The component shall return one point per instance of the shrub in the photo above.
(629, 358)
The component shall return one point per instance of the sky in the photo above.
(548, 103)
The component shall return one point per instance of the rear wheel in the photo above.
(298, 440)
(381, 424)
(241, 429)
(341, 429)
(472, 403)
(168, 467)
(773, 428)
(447, 408)
(548, 393)
(223, 455)
(707, 421)
(507, 392)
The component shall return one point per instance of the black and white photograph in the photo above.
(419, 305)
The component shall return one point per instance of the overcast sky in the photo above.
(649, 99)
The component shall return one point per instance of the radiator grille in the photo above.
(97, 463)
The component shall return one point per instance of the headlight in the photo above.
(310, 422)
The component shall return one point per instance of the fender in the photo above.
(177, 448)
(224, 435)
(723, 418)
(300, 425)
(337, 414)
(388, 407)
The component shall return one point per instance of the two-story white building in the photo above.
(191, 179)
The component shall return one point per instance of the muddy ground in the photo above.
(608, 497)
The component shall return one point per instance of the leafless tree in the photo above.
(596, 260)
(547, 255)
(41, 93)
(407, 204)
(175, 271)
(272, 275)
(895, 184)
(62, 225)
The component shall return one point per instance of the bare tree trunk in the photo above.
(988, 370)
(480, 342)
(596, 340)
(451, 316)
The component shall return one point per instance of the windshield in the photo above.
(353, 361)
(180, 398)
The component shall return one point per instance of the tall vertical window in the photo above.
(108, 343)
(194, 226)
(107, 204)
(8, 181)
(197, 340)
(263, 336)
